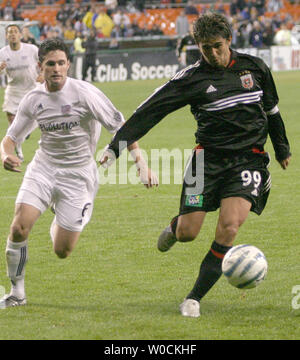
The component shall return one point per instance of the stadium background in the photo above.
(116, 285)
(151, 29)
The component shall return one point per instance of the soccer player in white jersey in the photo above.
(63, 172)
(19, 61)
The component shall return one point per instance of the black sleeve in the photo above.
(275, 123)
(162, 102)
(278, 136)
(270, 96)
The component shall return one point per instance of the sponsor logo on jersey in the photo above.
(65, 109)
(59, 126)
(247, 81)
(194, 200)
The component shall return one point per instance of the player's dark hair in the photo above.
(10, 25)
(211, 25)
(52, 45)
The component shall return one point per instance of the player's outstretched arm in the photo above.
(147, 176)
(9, 160)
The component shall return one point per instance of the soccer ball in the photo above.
(244, 266)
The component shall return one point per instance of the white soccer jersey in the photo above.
(70, 121)
(21, 68)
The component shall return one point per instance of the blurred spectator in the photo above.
(63, 14)
(253, 14)
(77, 44)
(156, 30)
(91, 46)
(79, 26)
(58, 29)
(68, 31)
(260, 6)
(182, 24)
(238, 39)
(268, 33)
(120, 18)
(187, 50)
(191, 9)
(241, 4)
(35, 30)
(256, 35)
(77, 13)
(233, 9)
(245, 13)
(27, 37)
(8, 12)
(111, 6)
(135, 30)
(245, 29)
(89, 16)
(104, 23)
(283, 36)
(116, 33)
(122, 4)
(274, 5)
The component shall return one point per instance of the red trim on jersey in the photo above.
(231, 63)
(257, 151)
(198, 147)
(217, 254)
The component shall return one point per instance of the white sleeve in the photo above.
(103, 110)
(24, 123)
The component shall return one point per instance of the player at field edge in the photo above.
(19, 61)
(63, 172)
(235, 104)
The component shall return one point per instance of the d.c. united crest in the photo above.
(247, 81)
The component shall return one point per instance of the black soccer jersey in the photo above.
(231, 106)
(188, 44)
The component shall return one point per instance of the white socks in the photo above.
(16, 258)
(52, 229)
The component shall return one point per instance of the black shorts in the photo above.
(208, 179)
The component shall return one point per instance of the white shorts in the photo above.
(11, 103)
(71, 190)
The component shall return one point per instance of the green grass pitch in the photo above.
(116, 285)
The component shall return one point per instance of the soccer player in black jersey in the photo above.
(188, 45)
(234, 101)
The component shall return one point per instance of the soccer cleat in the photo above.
(190, 308)
(166, 240)
(19, 152)
(11, 301)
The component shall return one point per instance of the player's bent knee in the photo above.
(231, 230)
(226, 234)
(18, 232)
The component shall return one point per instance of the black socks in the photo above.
(210, 271)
